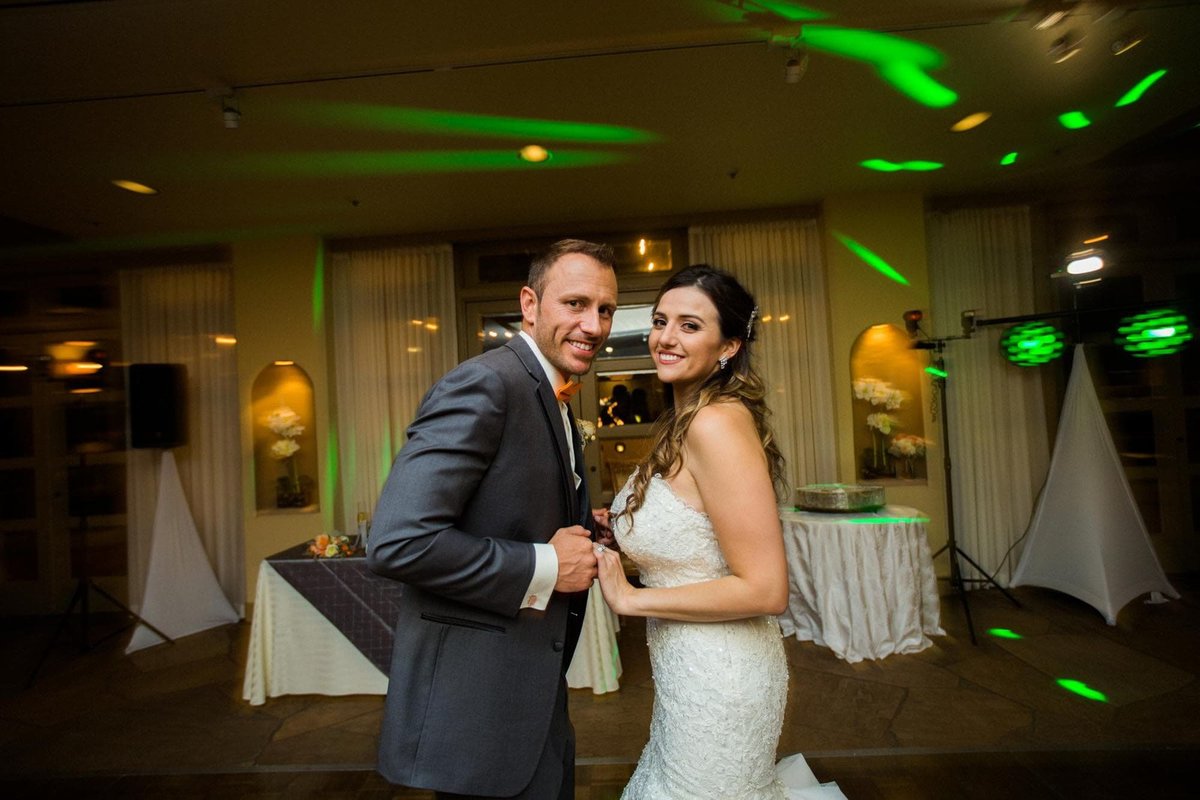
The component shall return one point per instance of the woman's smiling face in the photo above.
(685, 339)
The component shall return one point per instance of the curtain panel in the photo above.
(173, 315)
(983, 259)
(394, 334)
(780, 262)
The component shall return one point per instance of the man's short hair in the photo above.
(544, 260)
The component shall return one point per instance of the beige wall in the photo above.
(280, 316)
(892, 226)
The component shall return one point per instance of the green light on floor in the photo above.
(791, 11)
(883, 165)
(1135, 94)
(1082, 689)
(1160, 332)
(1032, 343)
(1074, 120)
(937, 373)
(900, 62)
(434, 121)
(1009, 159)
(1004, 633)
(871, 259)
(397, 162)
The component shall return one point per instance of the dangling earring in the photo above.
(723, 361)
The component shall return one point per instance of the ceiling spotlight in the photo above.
(971, 121)
(1048, 13)
(1125, 43)
(232, 117)
(534, 154)
(134, 186)
(1064, 47)
(795, 67)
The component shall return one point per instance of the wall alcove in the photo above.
(889, 426)
(285, 441)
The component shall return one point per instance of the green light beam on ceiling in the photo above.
(901, 62)
(883, 165)
(871, 259)
(1009, 159)
(1135, 94)
(1004, 633)
(1082, 689)
(462, 123)
(792, 12)
(1074, 120)
(396, 162)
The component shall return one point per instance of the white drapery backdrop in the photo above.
(780, 263)
(173, 315)
(983, 259)
(394, 334)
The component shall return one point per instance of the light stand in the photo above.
(958, 582)
(84, 586)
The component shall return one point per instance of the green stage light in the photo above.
(1032, 343)
(1004, 633)
(937, 373)
(900, 62)
(883, 165)
(1074, 120)
(1082, 689)
(792, 12)
(1135, 94)
(1160, 332)
(1011, 158)
(871, 259)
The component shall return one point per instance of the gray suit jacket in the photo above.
(484, 473)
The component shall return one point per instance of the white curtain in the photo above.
(173, 315)
(983, 259)
(780, 263)
(394, 334)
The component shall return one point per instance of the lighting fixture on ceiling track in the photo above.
(1064, 47)
(226, 97)
(795, 67)
(1125, 42)
(1048, 13)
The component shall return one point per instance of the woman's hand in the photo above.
(618, 592)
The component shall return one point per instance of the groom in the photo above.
(486, 520)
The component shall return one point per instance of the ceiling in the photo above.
(381, 118)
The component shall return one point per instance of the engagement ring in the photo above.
(599, 548)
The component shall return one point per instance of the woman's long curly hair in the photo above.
(738, 381)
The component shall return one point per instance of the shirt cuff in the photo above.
(545, 575)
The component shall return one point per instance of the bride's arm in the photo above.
(726, 460)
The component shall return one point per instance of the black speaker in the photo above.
(157, 405)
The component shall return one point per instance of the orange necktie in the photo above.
(564, 392)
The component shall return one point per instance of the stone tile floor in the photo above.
(956, 720)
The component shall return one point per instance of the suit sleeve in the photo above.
(414, 538)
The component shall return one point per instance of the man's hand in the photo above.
(576, 561)
(604, 533)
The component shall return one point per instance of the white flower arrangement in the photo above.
(284, 448)
(879, 393)
(285, 422)
(906, 445)
(884, 423)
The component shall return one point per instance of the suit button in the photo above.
(558, 646)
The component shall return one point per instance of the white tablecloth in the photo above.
(294, 649)
(860, 584)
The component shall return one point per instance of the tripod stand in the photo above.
(957, 581)
(84, 586)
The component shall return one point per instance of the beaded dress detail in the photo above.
(719, 687)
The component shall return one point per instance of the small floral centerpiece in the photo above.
(326, 546)
(285, 423)
(908, 447)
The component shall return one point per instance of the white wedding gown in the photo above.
(719, 687)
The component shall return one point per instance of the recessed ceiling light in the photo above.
(534, 153)
(135, 187)
(971, 121)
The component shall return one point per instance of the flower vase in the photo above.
(288, 492)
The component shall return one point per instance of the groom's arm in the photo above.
(415, 536)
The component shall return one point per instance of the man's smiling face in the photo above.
(572, 319)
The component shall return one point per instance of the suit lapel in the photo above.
(549, 406)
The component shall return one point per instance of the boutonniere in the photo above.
(586, 431)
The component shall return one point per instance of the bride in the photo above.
(699, 518)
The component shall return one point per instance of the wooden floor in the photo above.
(954, 721)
